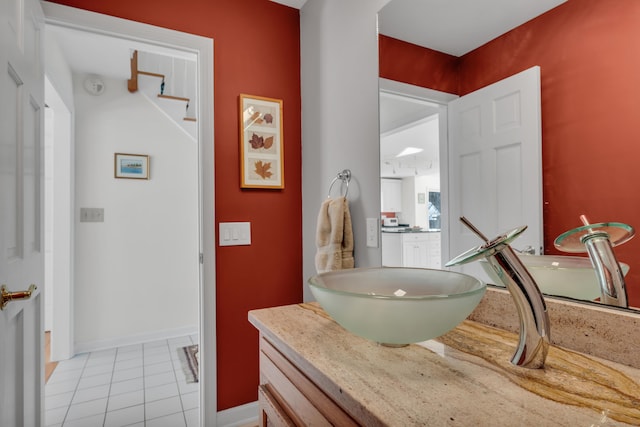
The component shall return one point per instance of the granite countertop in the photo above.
(463, 378)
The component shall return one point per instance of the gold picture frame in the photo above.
(261, 142)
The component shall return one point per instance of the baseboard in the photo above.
(239, 416)
(84, 347)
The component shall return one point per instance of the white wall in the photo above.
(58, 71)
(136, 273)
(59, 183)
(415, 213)
(340, 130)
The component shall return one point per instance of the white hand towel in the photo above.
(334, 236)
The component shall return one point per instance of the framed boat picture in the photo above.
(131, 166)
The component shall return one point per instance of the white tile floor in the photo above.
(138, 385)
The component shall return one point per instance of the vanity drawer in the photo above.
(299, 399)
(271, 413)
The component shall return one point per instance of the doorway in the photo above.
(202, 259)
(413, 157)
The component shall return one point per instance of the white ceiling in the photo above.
(407, 122)
(457, 26)
(452, 26)
(92, 53)
(423, 135)
(101, 54)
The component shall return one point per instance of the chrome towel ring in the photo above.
(344, 177)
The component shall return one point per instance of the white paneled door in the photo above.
(495, 169)
(21, 203)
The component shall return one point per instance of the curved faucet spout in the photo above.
(598, 241)
(608, 270)
(535, 327)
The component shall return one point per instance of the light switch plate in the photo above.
(234, 233)
(372, 232)
(91, 214)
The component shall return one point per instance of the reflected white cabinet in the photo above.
(420, 250)
(391, 249)
(434, 250)
(415, 251)
(391, 195)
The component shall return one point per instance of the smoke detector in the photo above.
(94, 85)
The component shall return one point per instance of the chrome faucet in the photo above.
(598, 240)
(529, 250)
(535, 327)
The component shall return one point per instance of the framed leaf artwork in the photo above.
(261, 149)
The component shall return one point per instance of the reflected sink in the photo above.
(397, 306)
(567, 276)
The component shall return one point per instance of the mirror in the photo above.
(587, 51)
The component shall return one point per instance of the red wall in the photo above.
(590, 66)
(416, 65)
(256, 51)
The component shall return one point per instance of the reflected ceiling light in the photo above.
(408, 151)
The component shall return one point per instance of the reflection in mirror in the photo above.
(410, 140)
(587, 53)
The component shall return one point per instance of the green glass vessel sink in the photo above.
(567, 276)
(397, 306)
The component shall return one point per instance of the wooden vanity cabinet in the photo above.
(286, 397)
(271, 413)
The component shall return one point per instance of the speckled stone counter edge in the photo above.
(608, 333)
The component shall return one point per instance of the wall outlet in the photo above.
(234, 233)
(372, 232)
(91, 214)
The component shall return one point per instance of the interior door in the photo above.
(495, 171)
(21, 201)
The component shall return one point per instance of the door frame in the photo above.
(442, 99)
(59, 211)
(203, 47)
